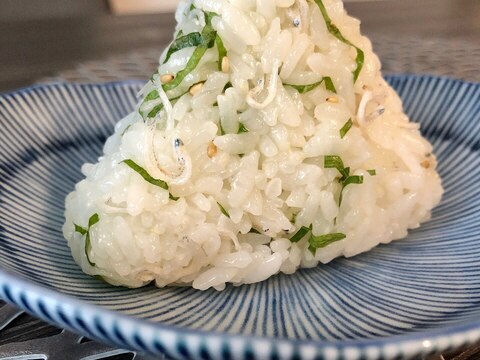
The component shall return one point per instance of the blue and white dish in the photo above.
(416, 296)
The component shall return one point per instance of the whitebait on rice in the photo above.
(267, 141)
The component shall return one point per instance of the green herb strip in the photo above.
(349, 181)
(153, 95)
(336, 162)
(222, 130)
(191, 65)
(80, 230)
(208, 41)
(353, 180)
(300, 234)
(294, 218)
(222, 51)
(320, 242)
(329, 84)
(316, 242)
(242, 129)
(157, 108)
(223, 210)
(154, 111)
(335, 31)
(372, 172)
(302, 89)
(94, 219)
(346, 128)
(126, 130)
(147, 177)
(182, 42)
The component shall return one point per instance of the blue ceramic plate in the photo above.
(412, 297)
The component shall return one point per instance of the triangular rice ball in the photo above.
(267, 141)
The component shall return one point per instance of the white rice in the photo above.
(264, 178)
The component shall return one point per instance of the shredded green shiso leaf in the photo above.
(202, 41)
(303, 89)
(320, 242)
(80, 230)
(334, 30)
(153, 95)
(223, 210)
(222, 51)
(336, 162)
(147, 177)
(208, 41)
(182, 42)
(316, 242)
(157, 108)
(356, 179)
(242, 129)
(126, 130)
(300, 234)
(346, 128)
(222, 130)
(294, 218)
(94, 219)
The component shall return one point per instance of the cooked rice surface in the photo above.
(212, 188)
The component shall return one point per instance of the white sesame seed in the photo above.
(165, 79)
(195, 89)
(226, 64)
(426, 164)
(212, 150)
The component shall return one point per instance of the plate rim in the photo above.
(52, 306)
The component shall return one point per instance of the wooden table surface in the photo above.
(34, 49)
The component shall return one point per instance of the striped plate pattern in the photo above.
(412, 297)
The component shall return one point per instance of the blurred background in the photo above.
(101, 40)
